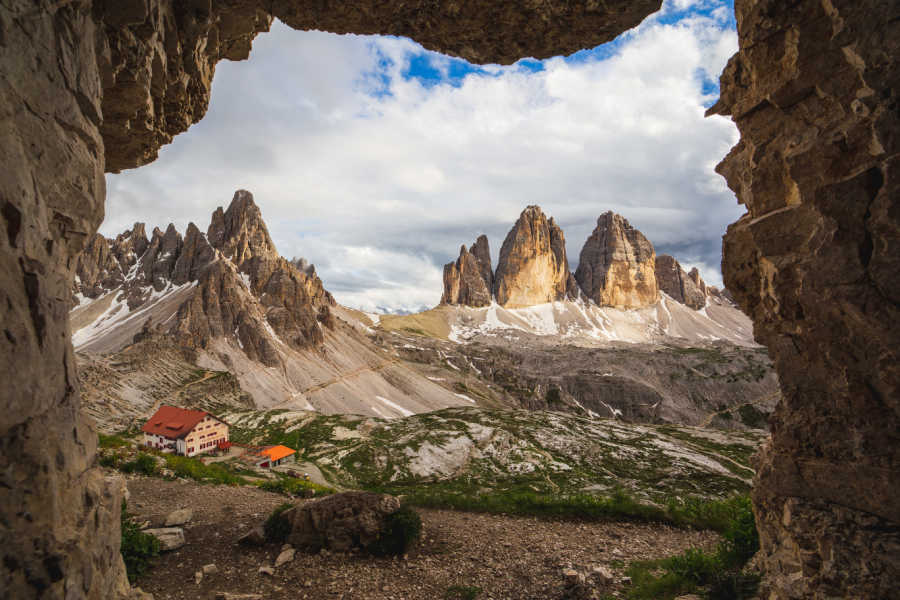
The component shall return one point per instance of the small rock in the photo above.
(601, 575)
(170, 538)
(266, 570)
(179, 517)
(144, 525)
(254, 537)
(198, 577)
(625, 581)
(285, 557)
(286, 547)
(572, 577)
(210, 569)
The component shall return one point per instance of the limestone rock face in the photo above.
(468, 280)
(815, 263)
(533, 268)
(681, 286)
(481, 250)
(617, 265)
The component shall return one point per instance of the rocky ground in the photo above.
(501, 556)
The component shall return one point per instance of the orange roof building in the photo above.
(272, 456)
(183, 431)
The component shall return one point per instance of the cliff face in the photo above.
(617, 265)
(681, 286)
(467, 281)
(533, 268)
(241, 288)
(814, 262)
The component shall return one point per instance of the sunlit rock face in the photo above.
(680, 286)
(617, 266)
(815, 263)
(468, 280)
(532, 268)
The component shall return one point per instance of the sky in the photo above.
(376, 159)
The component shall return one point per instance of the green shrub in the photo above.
(277, 527)
(192, 468)
(110, 460)
(719, 573)
(144, 463)
(462, 592)
(401, 530)
(137, 547)
(111, 441)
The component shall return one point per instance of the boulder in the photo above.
(339, 522)
(170, 538)
(254, 537)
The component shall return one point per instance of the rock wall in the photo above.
(533, 268)
(466, 281)
(94, 86)
(672, 279)
(814, 262)
(617, 266)
(60, 515)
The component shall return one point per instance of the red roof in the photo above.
(173, 422)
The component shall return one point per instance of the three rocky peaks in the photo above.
(229, 282)
(617, 267)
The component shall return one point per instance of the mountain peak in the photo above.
(617, 265)
(533, 268)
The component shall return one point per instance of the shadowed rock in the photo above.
(679, 285)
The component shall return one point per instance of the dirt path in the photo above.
(506, 557)
(321, 386)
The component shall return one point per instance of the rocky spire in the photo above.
(676, 283)
(533, 268)
(464, 280)
(481, 250)
(240, 233)
(617, 265)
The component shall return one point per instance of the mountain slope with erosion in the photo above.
(237, 306)
(463, 450)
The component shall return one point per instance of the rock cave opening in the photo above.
(96, 87)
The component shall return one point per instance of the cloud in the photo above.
(375, 159)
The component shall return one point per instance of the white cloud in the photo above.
(378, 190)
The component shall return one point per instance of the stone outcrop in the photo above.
(468, 280)
(340, 522)
(681, 286)
(617, 265)
(815, 263)
(533, 268)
